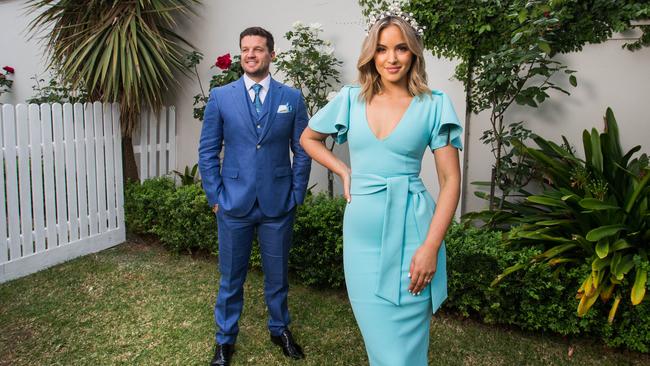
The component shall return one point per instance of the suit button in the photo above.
(258, 126)
(258, 146)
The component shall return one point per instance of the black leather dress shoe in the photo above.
(222, 354)
(288, 345)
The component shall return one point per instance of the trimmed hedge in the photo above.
(180, 217)
(188, 223)
(539, 298)
(316, 256)
(142, 203)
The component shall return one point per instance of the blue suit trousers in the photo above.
(235, 243)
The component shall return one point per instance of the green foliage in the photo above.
(186, 222)
(467, 29)
(309, 65)
(189, 177)
(518, 71)
(317, 253)
(231, 73)
(631, 329)
(592, 211)
(143, 203)
(538, 297)
(515, 171)
(56, 91)
(119, 51)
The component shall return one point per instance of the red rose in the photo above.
(9, 69)
(224, 62)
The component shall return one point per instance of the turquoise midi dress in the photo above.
(388, 219)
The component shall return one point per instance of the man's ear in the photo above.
(272, 55)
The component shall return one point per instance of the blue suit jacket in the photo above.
(254, 168)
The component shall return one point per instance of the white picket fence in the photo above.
(157, 133)
(62, 195)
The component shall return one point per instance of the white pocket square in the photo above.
(284, 108)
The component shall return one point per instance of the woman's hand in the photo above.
(423, 267)
(346, 179)
(314, 144)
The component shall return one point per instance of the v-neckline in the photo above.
(399, 122)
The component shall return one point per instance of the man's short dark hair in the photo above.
(258, 31)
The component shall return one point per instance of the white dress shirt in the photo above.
(265, 83)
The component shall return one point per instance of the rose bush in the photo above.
(5, 82)
(231, 70)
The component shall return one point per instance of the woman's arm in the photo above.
(314, 144)
(424, 262)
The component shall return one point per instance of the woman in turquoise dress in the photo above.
(393, 249)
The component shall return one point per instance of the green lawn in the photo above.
(139, 304)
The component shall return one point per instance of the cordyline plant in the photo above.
(594, 210)
(118, 51)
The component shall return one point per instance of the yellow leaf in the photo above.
(586, 302)
(638, 290)
(612, 311)
(607, 292)
(589, 286)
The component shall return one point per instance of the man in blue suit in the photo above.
(256, 120)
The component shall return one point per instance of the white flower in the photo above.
(327, 43)
(316, 26)
(331, 95)
(297, 24)
(329, 51)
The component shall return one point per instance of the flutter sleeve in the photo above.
(334, 118)
(446, 127)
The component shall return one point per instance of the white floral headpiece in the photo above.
(394, 10)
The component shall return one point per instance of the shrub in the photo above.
(538, 297)
(632, 328)
(316, 256)
(186, 222)
(143, 201)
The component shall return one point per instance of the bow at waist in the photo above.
(399, 190)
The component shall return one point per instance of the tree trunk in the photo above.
(492, 187)
(129, 167)
(468, 115)
(330, 175)
(496, 171)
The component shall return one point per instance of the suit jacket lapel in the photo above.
(239, 96)
(274, 97)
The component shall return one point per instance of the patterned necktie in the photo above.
(257, 102)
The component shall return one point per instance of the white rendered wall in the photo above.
(607, 76)
(18, 51)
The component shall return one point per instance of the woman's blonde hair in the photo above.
(370, 79)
